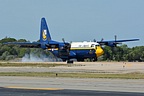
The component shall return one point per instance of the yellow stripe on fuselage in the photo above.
(52, 49)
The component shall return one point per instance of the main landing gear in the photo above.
(69, 61)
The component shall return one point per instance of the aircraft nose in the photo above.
(99, 51)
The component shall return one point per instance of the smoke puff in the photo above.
(41, 58)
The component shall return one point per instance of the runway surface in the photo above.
(122, 85)
(30, 92)
(58, 86)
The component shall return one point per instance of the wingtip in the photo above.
(137, 39)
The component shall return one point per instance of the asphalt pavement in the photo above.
(30, 92)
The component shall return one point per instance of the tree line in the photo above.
(123, 53)
(119, 53)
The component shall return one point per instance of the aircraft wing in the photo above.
(25, 44)
(113, 43)
(51, 44)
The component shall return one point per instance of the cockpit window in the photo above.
(93, 45)
(96, 45)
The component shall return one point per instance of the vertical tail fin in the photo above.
(44, 32)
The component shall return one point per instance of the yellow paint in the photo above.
(99, 51)
(44, 35)
(52, 48)
(30, 88)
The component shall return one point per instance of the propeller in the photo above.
(99, 42)
(67, 45)
(102, 39)
(94, 40)
(115, 43)
(115, 38)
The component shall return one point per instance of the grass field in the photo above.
(75, 75)
(132, 75)
(23, 64)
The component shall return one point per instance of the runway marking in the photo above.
(30, 88)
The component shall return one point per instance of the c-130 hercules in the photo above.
(67, 51)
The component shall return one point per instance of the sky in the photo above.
(74, 20)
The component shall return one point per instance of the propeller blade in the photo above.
(102, 39)
(115, 37)
(94, 40)
(63, 40)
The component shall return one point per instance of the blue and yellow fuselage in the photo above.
(80, 53)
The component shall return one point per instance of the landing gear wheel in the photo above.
(69, 62)
(94, 59)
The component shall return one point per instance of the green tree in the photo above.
(4, 55)
(107, 53)
(22, 40)
(7, 40)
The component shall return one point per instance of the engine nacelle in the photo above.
(111, 44)
(64, 49)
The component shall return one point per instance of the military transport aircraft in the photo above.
(67, 51)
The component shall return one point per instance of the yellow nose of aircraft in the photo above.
(99, 51)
